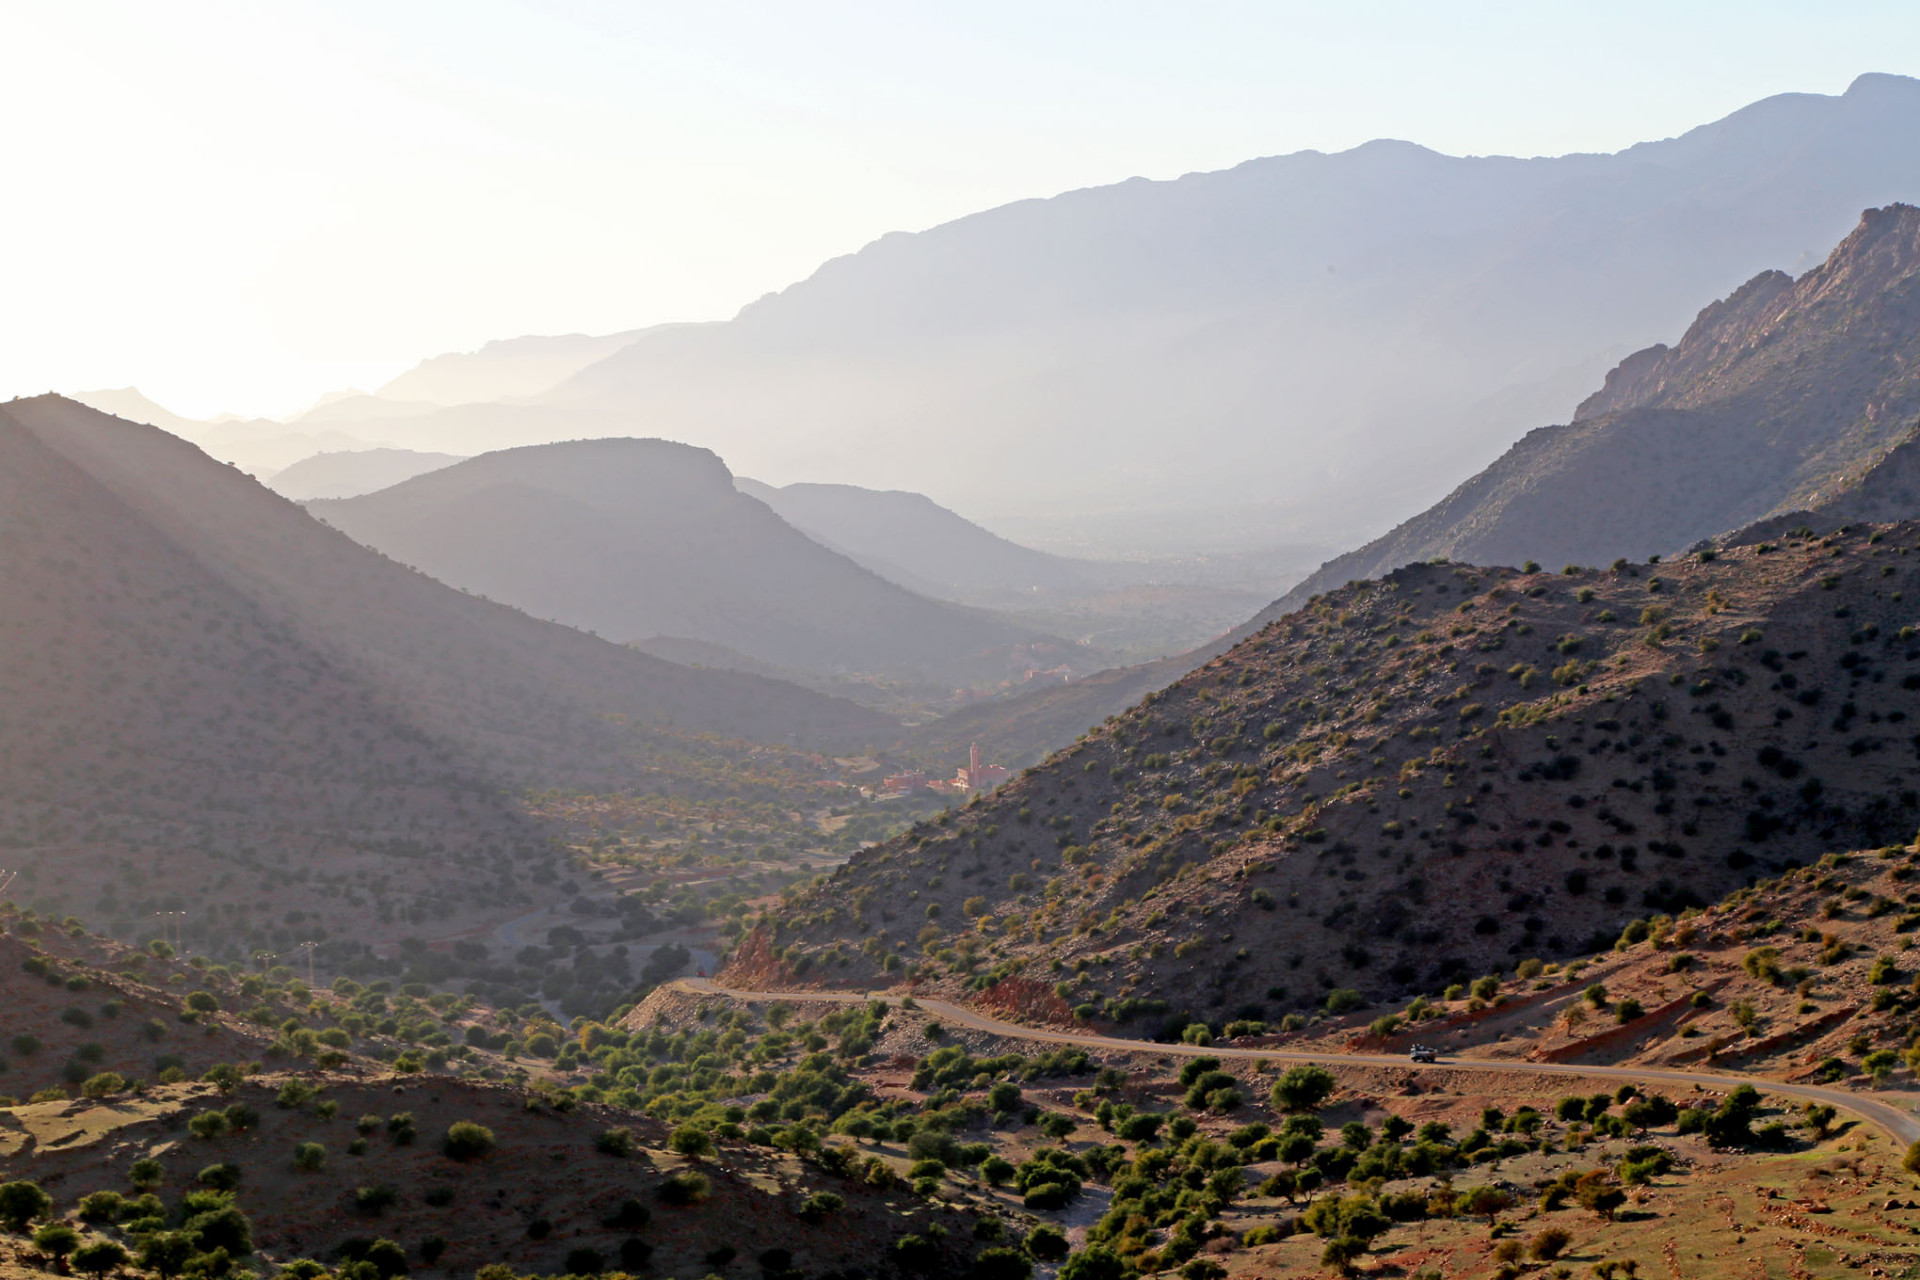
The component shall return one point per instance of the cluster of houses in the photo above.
(973, 777)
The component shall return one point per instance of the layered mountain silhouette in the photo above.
(190, 660)
(638, 539)
(910, 539)
(259, 446)
(502, 370)
(1787, 400)
(348, 473)
(1306, 346)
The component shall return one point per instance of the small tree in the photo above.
(56, 1240)
(1598, 1195)
(1303, 1088)
(101, 1206)
(691, 1140)
(1489, 1202)
(166, 1252)
(310, 1157)
(98, 1258)
(21, 1203)
(146, 1174)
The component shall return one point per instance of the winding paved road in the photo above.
(1898, 1122)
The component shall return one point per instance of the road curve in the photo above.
(1897, 1122)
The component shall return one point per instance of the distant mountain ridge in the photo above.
(1304, 348)
(504, 369)
(348, 474)
(1309, 336)
(1789, 397)
(910, 539)
(638, 539)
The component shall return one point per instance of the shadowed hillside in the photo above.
(635, 539)
(200, 681)
(1415, 778)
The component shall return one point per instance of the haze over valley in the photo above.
(1346, 712)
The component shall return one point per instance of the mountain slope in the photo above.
(351, 473)
(1785, 396)
(198, 676)
(635, 539)
(1415, 779)
(1297, 339)
(503, 369)
(910, 539)
(259, 446)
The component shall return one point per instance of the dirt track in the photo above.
(1899, 1123)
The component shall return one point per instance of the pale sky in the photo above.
(239, 206)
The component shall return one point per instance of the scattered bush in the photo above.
(685, 1187)
(1303, 1088)
(617, 1141)
(466, 1140)
(1046, 1243)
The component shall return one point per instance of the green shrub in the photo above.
(209, 1125)
(374, 1200)
(224, 1176)
(617, 1141)
(103, 1085)
(1303, 1088)
(685, 1187)
(466, 1140)
(1046, 1243)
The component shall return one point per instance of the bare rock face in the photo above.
(1784, 397)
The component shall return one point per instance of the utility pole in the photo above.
(308, 948)
(171, 919)
(6, 878)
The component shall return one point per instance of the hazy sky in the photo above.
(240, 206)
